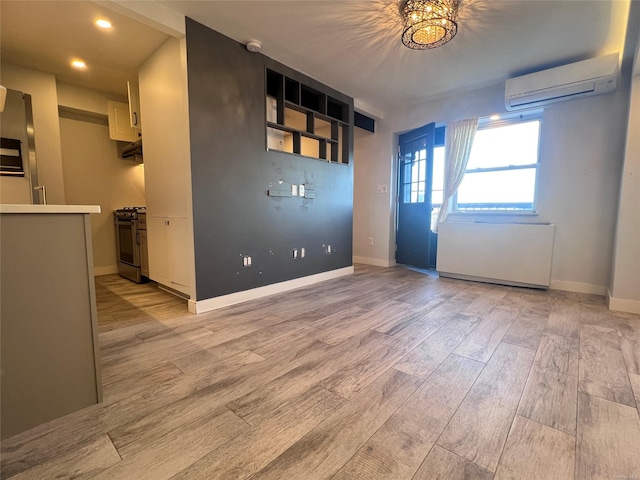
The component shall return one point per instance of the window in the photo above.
(502, 172)
(415, 172)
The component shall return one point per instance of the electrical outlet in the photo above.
(383, 189)
(371, 241)
(246, 261)
(328, 249)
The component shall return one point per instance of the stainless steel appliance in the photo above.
(131, 243)
(18, 151)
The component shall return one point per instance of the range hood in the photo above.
(133, 151)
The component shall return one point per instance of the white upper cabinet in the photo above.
(119, 124)
(134, 104)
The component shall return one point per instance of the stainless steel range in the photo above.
(131, 243)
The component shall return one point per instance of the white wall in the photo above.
(373, 212)
(85, 99)
(42, 88)
(95, 175)
(624, 293)
(583, 146)
(582, 149)
(164, 103)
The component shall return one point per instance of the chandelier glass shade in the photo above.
(428, 23)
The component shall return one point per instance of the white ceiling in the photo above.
(47, 35)
(352, 45)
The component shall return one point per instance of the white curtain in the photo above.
(457, 147)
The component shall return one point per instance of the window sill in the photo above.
(485, 213)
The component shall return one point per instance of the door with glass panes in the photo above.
(415, 242)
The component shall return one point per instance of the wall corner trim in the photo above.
(578, 287)
(209, 304)
(377, 262)
(105, 270)
(622, 304)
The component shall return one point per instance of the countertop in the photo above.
(26, 208)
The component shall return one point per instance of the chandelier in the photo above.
(428, 23)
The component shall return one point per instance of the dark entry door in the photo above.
(415, 244)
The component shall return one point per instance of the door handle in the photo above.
(44, 193)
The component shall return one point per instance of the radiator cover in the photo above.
(504, 253)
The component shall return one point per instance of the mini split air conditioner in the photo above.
(582, 79)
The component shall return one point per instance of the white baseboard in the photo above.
(110, 270)
(490, 280)
(377, 262)
(623, 305)
(578, 287)
(202, 306)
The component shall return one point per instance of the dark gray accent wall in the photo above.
(232, 172)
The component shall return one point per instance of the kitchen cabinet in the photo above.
(169, 247)
(135, 119)
(119, 122)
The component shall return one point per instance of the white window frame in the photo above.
(504, 120)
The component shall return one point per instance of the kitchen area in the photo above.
(87, 132)
(74, 182)
(62, 263)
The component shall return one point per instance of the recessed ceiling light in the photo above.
(103, 23)
(79, 64)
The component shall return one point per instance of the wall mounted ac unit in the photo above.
(589, 77)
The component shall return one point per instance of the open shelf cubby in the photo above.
(305, 121)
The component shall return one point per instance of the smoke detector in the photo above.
(254, 46)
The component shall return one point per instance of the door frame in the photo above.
(413, 254)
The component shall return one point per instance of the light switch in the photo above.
(301, 190)
(294, 190)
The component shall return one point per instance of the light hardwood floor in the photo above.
(385, 374)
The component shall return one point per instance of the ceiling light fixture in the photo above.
(103, 23)
(428, 23)
(78, 64)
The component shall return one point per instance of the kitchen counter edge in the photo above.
(25, 208)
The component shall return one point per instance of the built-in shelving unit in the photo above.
(304, 121)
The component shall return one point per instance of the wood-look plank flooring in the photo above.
(389, 373)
